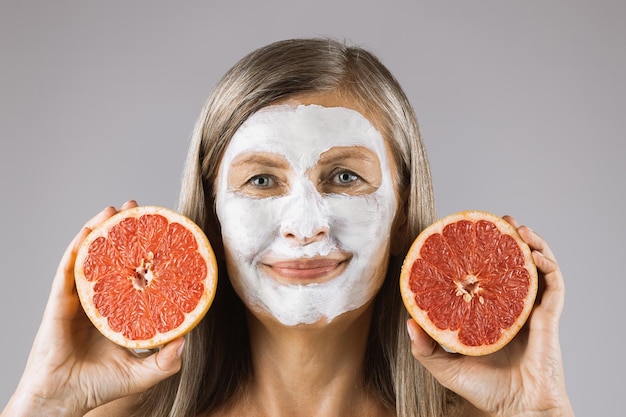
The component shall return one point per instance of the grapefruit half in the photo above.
(470, 282)
(145, 276)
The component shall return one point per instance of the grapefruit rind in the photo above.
(85, 287)
(449, 339)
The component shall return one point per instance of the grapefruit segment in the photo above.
(469, 281)
(145, 276)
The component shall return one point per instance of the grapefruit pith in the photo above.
(469, 280)
(145, 276)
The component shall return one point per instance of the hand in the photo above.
(72, 368)
(525, 378)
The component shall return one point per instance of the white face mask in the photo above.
(305, 239)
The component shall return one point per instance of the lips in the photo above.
(307, 270)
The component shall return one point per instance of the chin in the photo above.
(311, 322)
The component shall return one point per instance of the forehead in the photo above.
(303, 132)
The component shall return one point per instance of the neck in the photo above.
(310, 370)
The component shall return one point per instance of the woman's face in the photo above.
(306, 203)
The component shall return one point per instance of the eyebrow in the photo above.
(264, 159)
(352, 152)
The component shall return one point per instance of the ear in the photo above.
(399, 227)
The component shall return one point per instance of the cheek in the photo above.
(248, 225)
(362, 224)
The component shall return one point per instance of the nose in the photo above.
(305, 216)
(305, 239)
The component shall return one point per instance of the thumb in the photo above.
(422, 345)
(160, 365)
(444, 366)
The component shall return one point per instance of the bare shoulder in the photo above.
(119, 408)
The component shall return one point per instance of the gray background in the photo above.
(521, 105)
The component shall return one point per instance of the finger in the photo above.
(441, 364)
(160, 365)
(421, 343)
(100, 217)
(108, 212)
(551, 297)
(63, 303)
(63, 284)
(535, 241)
(62, 294)
(511, 220)
(128, 204)
(542, 254)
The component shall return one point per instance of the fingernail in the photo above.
(411, 332)
(179, 351)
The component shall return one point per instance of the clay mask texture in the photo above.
(306, 203)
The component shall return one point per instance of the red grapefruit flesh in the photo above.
(469, 281)
(145, 276)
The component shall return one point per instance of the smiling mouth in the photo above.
(305, 270)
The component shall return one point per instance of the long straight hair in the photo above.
(216, 362)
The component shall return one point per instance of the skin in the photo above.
(298, 370)
(304, 199)
(82, 369)
(526, 377)
(310, 369)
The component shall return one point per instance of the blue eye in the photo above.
(261, 181)
(346, 177)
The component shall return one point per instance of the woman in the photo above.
(302, 148)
